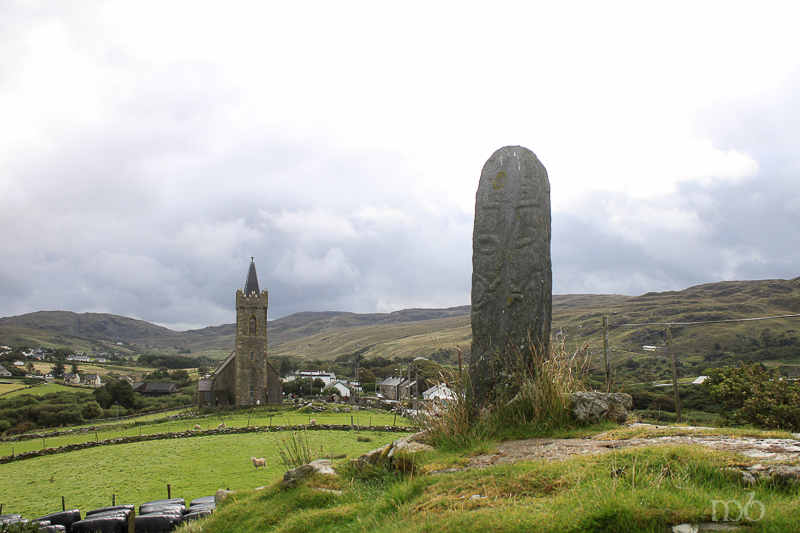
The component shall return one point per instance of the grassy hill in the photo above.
(577, 320)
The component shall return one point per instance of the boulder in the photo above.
(387, 452)
(593, 406)
(221, 495)
(320, 466)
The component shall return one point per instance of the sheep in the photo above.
(221, 425)
(312, 422)
(197, 426)
(259, 462)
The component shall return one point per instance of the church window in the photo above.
(251, 392)
(252, 356)
(252, 325)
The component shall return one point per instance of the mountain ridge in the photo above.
(326, 335)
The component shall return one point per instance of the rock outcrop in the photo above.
(593, 406)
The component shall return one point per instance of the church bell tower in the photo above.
(251, 341)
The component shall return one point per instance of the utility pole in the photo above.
(605, 351)
(674, 374)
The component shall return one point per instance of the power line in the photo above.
(709, 321)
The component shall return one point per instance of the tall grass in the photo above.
(534, 399)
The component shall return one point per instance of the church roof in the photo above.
(251, 285)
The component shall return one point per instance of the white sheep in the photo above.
(259, 462)
(312, 422)
(221, 425)
(197, 426)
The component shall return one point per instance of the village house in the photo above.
(159, 389)
(93, 380)
(327, 377)
(126, 378)
(439, 392)
(391, 387)
(79, 358)
(4, 372)
(342, 388)
(72, 379)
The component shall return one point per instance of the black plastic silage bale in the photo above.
(104, 523)
(157, 522)
(63, 518)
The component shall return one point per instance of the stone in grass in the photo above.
(594, 406)
(221, 495)
(405, 446)
(320, 466)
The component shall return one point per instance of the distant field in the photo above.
(140, 472)
(239, 419)
(45, 388)
(99, 369)
(15, 385)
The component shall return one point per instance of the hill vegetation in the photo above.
(699, 314)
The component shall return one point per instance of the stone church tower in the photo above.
(246, 377)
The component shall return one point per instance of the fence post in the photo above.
(674, 375)
(63, 504)
(605, 351)
(169, 491)
(113, 500)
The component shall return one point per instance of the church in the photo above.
(245, 377)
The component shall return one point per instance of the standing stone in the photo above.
(511, 272)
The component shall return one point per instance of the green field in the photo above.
(8, 388)
(150, 424)
(194, 467)
(43, 388)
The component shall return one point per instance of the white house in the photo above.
(4, 372)
(699, 380)
(337, 387)
(328, 377)
(439, 392)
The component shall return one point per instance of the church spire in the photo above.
(251, 285)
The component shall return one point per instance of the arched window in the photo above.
(252, 325)
(251, 392)
(252, 356)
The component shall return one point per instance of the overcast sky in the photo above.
(147, 149)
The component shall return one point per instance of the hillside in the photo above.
(577, 319)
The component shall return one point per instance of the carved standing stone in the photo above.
(511, 272)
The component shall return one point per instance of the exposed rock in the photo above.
(406, 446)
(320, 466)
(221, 495)
(592, 406)
(511, 269)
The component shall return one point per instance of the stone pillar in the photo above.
(511, 272)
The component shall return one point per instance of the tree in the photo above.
(58, 367)
(317, 386)
(74, 368)
(115, 391)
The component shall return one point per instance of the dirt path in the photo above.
(770, 451)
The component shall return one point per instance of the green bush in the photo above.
(753, 395)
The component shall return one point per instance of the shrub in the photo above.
(536, 400)
(753, 395)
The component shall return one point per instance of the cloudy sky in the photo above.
(147, 149)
